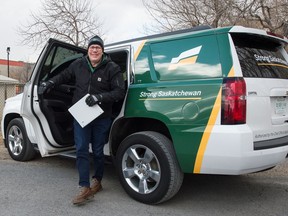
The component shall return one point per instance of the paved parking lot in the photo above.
(45, 186)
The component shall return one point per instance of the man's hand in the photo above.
(91, 100)
(46, 86)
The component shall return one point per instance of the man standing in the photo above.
(99, 76)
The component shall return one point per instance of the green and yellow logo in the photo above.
(186, 57)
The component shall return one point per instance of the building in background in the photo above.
(14, 66)
(18, 70)
(8, 88)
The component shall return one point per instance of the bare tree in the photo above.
(271, 14)
(179, 14)
(68, 20)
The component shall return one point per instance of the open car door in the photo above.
(48, 113)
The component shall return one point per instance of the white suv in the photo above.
(207, 101)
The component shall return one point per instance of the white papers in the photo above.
(83, 113)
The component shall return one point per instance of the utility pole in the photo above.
(8, 52)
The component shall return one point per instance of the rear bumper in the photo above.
(273, 143)
(230, 150)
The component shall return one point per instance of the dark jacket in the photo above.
(105, 81)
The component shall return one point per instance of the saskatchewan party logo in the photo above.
(186, 57)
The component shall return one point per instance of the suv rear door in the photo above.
(264, 66)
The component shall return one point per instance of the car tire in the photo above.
(148, 168)
(17, 142)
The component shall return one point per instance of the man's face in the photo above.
(95, 54)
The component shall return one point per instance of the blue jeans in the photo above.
(95, 133)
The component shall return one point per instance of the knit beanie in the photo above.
(96, 40)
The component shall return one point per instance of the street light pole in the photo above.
(8, 52)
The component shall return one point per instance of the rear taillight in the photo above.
(233, 107)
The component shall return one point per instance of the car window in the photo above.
(142, 68)
(260, 56)
(188, 58)
(58, 59)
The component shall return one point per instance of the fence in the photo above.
(8, 90)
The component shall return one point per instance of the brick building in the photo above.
(18, 70)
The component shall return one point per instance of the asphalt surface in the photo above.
(45, 186)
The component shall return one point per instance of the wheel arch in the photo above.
(28, 126)
(159, 159)
(18, 144)
(8, 118)
(123, 127)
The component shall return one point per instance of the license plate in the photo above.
(281, 106)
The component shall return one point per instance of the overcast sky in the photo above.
(123, 19)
